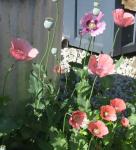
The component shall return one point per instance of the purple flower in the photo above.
(92, 24)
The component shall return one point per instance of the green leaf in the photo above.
(106, 141)
(59, 142)
(131, 108)
(82, 73)
(86, 60)
(132, 119)
(44, 144)
(4, 100)
(119, 62)
(106, 82)
(35, 84)
(83, 92)
(78, 141)
(40, 105)
(83, 87)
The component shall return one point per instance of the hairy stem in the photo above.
(115, 37)
(92, 87)
(53, 36)
(64, 121)
(6, 78)
(46, 51)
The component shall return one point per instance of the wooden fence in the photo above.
(24, 18)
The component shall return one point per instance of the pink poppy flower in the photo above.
(108, 113)
(118, 104)
(22, 50)
(101, 65)
(78, 119)
(122, 18)
(98, 129)
(92, 24)
(125, 122)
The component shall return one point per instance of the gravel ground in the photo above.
(124, 85)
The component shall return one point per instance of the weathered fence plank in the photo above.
(24, 18)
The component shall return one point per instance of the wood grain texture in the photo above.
(24, 19)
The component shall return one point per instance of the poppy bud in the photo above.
(54, 51)
(54, 0)
(96, 4)
(48, 23)
(96, 11)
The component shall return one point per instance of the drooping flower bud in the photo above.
(96, 11)
(48, 23)
(54, 50)
(54, 0)
(96, 4)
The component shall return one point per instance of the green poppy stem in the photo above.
(46, 51)
(92, 44)
(80, 42)
(53, 36)
(6, 78)
(90, 143)
(73, 92)
(115, 37)
(93, 87)
(64, 121)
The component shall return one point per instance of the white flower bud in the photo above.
(96, 4)
(96, 11)
(54, 50)
(85, 68)
(54, 0)
(48, 23)
(2, 147)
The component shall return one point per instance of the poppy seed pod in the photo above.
(54, 50)
(54, 0)
(96, 11)
(48, 23)
(96, 4)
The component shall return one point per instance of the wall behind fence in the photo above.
(23, 18)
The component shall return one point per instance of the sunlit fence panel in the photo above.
(24, 19)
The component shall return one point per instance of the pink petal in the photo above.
(118, 16)
(21, 44)
(101, 27)
(129, 19)
(33, 53)
(100, 16)
(104, 60)
(92, 64)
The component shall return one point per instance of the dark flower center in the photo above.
(92, 25)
